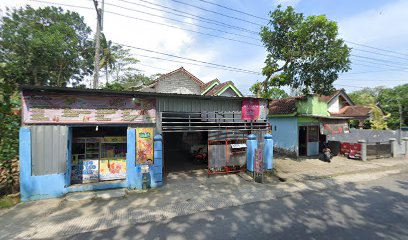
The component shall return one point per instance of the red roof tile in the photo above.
(353, 111)
(284, 106)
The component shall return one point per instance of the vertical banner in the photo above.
(144, 146)
(250, 109)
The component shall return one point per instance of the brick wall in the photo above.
(178, 83)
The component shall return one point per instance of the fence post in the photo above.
(251, 148)
(405, 139)
(363, 149)
(393, 142)
(268, 152)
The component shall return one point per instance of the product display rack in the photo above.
(97, 159)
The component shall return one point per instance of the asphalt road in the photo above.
(370, 210)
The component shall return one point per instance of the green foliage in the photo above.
(302, 52)
(387, 99)
(45, 46)
(269, 93)
(8, 201)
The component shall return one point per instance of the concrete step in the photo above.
(103, 194)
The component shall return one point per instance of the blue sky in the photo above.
(375, 23)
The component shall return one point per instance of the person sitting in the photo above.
(326, 154)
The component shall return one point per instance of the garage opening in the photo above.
(98, 154)
(210, 141)
(185, 151)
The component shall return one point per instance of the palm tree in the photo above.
(108, 59)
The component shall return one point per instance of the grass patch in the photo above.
(8, 201)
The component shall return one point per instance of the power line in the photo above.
(142, 64)
(190, 63)
(378, 53)
(380, 49)
(231, 9)
(378, 65)
(215, 12)
(379, 60)
(175, 20)
(363, 80)
(158, 23)
(189, 59)
(384, 70)
(185, 14)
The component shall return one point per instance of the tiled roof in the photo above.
(331, 96)
(216, 89)
(181, 69)
(353, 111)
(284, 106)
(206, 85)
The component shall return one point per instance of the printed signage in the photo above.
(250, 109)
(113, 169)
(333, 129)
(144, 146)
(71, 109)
(258, 168)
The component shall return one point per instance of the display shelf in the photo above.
(98, 159)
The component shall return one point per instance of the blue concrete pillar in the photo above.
(157, 168)
(25, 163)
(251, 148)
(132, 176)
(268, 152)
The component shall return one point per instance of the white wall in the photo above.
(334, 105)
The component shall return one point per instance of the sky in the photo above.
(375, 29)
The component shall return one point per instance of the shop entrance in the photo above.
(98, 154)
(308, 140)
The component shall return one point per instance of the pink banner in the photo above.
(250, 109)
(47, 108)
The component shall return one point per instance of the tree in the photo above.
(45, 46)
(302, 52)
(108, 59)
(389, 99)
(369, 97)
(270, 93)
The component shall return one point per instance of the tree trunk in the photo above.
(106, 74)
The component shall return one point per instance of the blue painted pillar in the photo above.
(131, 173)
(25, 163)
(251, 147)
(268, 152)
(156, 174)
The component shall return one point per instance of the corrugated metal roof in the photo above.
(121, 93)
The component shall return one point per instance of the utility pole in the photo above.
(99, 14)
(401, 119)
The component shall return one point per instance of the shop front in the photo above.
(79, 140)
(74, 140)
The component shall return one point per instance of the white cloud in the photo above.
(286, 2)
(384, 26)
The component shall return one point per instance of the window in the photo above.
(313, 134)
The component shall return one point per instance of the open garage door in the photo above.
(186, 136)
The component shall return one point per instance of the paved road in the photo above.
(370, 210)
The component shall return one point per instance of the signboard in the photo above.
(85, 171)
(334, 128)
(258, 168)
(144, 146)
(250, 109)
(113, 169)
(71, 109)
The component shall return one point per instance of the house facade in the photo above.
(180, 81)
(300, 125)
